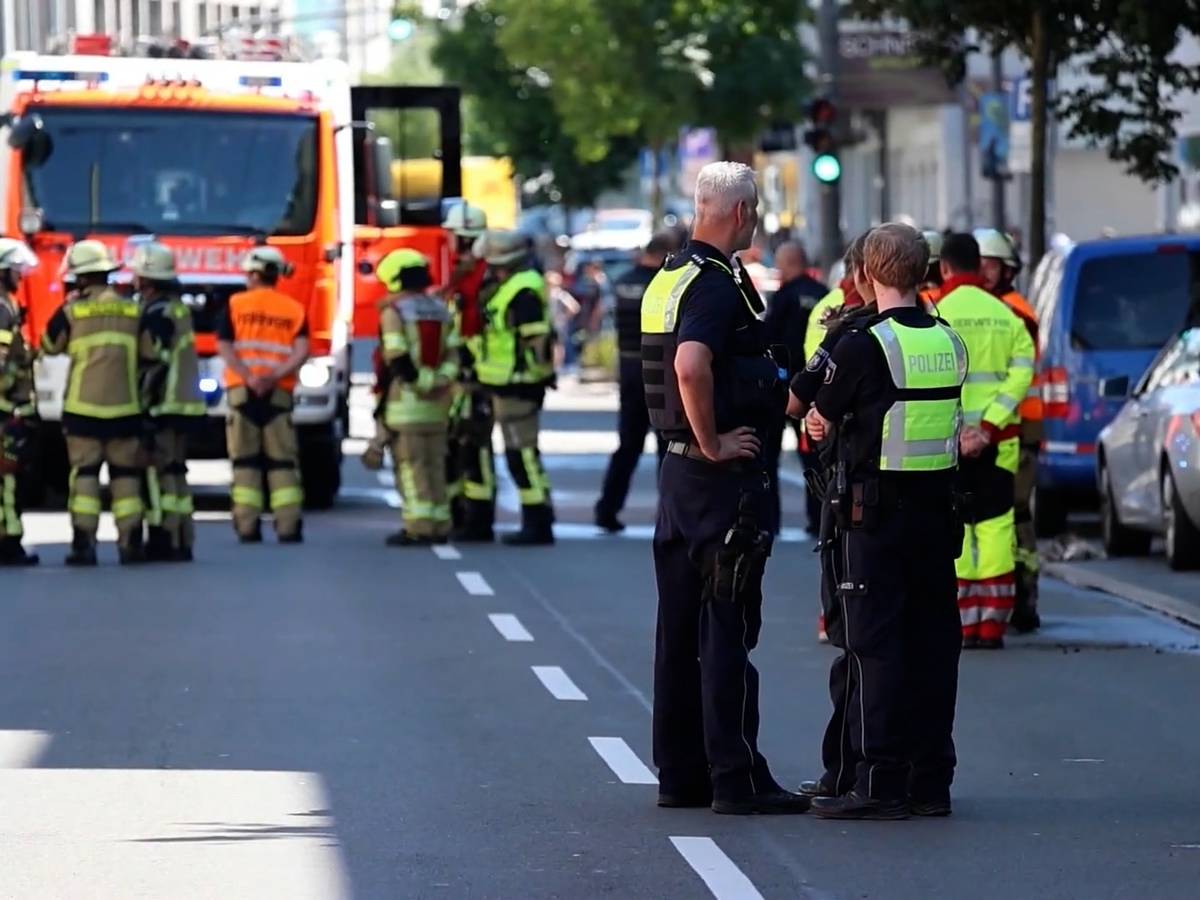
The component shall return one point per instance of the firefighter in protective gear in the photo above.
(1001, 370)
(514, 362)
(420, 353)
(172, 401)
(893, 389)
(264, 342)
(999, 268)
(102, 412)
(470, 466)
(16, 399)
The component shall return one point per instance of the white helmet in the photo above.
(501, 248)
(15, 255)
(995, 245)
(260, 258)
(465, 220)
(88, 258)
(154, 262)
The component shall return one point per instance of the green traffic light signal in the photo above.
(827, 168)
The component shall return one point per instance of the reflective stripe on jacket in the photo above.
(927, 367)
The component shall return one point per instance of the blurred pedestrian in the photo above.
(786, 324)
(633, 418)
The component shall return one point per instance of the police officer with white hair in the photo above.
(713, 392)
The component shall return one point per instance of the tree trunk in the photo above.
(1040, 46)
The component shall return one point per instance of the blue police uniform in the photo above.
(710, 542)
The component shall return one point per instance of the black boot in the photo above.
(607, 520)
(536, 530)
(404, 538)
(251, 537)
(295, 537)
(83, 550)
(474, 526)
(857, 806)
(133, 552)
(13, 554)
(158, 545)
(182, 554)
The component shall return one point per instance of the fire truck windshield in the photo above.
(176, 172)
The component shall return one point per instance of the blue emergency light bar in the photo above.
(260, 81)
(31, 75)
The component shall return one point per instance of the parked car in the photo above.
(619, 229)
(1106, 308)
(1148, 461)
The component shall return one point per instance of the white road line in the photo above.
(510, 627)
(474, 584)
(622, 760)
(446, 551)
(558, 683)
(724, 879)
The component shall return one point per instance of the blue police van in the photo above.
(1106, 308)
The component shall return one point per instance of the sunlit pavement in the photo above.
(344, 719)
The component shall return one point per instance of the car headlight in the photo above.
(315, 373)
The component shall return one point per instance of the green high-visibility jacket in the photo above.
(515, 352)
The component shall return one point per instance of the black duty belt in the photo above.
(691, 451)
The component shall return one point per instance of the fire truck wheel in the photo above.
(320, 465)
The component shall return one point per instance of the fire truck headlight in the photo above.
(315, 373)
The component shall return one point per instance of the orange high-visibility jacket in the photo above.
(1031, 406)
(266, 323)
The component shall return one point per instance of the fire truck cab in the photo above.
(211, 157)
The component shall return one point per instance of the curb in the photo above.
(1083, 577)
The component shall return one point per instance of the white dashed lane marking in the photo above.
(510, 627)
(724, 879)
(558, 683)
(622, 760)
(474, 584)
(446, 551)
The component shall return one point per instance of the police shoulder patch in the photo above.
(818, 359)
(830, 371)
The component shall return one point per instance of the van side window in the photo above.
(1133, 301)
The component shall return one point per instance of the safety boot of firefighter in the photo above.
(475, 524)
(294, 537)
(158, 545)
(536, 528)
(182, 554)
(132, 552)
(83, 550)
(13, 554)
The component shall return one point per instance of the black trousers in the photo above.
(895, 686)
(774, 453)
(633, 422)
(705, 687)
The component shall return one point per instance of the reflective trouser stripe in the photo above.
(12, 519)
(485, 488)
(126, 507)
(85, 506)
(286, 496)
(157, 504)
(538, 491)
(247, 496)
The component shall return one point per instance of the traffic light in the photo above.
(822, 116)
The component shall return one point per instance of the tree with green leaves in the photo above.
(510, 112)
(1125, 49)
(646, 68)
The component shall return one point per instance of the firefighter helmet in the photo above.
(15, 255)
(465, 220)
(86, 258)
(153, 261)
(995, 245)
(403, 269)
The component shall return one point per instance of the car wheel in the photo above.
(1181, 534)
(1119, 540)
(1049, 513)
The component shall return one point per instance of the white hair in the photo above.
(721, 186)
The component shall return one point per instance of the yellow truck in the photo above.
(487, 182)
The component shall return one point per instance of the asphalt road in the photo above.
(342, 719)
